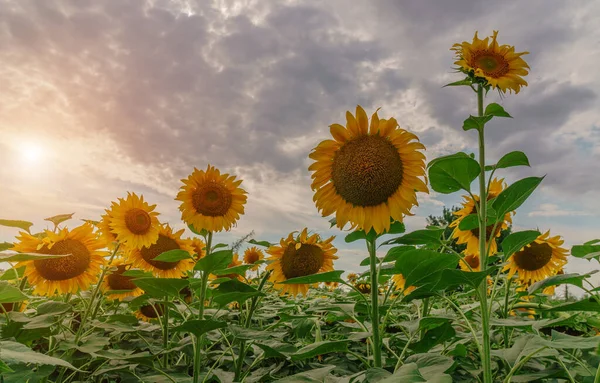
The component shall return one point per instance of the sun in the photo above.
(31, 152)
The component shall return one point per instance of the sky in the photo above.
(98, 98)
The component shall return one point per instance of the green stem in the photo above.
(521, 364)
(198, 349)
(485, 316)
(166, 333)
(506, 310)
(371, 246)
(597, 378)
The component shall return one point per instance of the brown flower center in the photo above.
(212, 199)
(60, 269)
(491, 63)
(162, 245)
(367, 170)
(138, 221)
(364, 288)
(488, 229)
(307, 260)
(534, 256)
(472, 260)
(117, 281)
(151, 311)
(8, 307)
(251, 257)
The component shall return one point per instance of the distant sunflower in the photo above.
(331, 285)
(116, 281)
(253, 255)
(470, 263)
(235, 261)
(167, 240)
(134, 222)
(368, 174)
(471, 237)
(210, 200)
(199, 247)
(104, 229)
(539, 260)
(352, 277)
(12, 306)
(67, 274)
(299, 256)
(149, 312)
(500, 65)
(363, 287)
(400, 283)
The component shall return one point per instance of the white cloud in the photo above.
(553, 210)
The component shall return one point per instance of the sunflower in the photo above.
(299, 256)
(471, 237)
(550, 290)
(104, 229)
(210, 200)
(331, 285)
(150, 311)
(116, 281)
(400, 283)
(499, 65)
(352, 277)
(470, 263)
(363, 287)
(199, 247)
(12, 306)
(167, 240)
(235, 261)
(134, 222)
(67, 274)
(367, 174)
(539, 260)
(253, 255)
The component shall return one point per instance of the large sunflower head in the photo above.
(150, 311)
(539, 260)
(199, 247)
(471, 237)
(116, 281)
(134, 222)
(400, 284)
(252, 255)
(67, 274)
(298, 256)
(499, 65)
(367, 174)
(210, 200)
(167, 240)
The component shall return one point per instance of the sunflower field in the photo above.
(129, 298)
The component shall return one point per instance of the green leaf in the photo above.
(239, 270)
(516, 241)
(25, 225)
(312, 376)
(260, 243)
(418, 237)
(433, 337)
(583, 305)
(496, 110)
(161, 287)
(5, 246)
(466, 82)
(513, 196)
(173, 256)
(523, 346)
(393, 253)
(469, 222)
(330, 276)
(4, 367)
(215, 261)
(20, 257)
(430, 364)
(396, 227)
(199, 327)
(588, 250)
(12, 274)
(58, 219)
(276, 349)
(53, 307)
(474, 122)
(320, 348)
(421, 267)
(15, 353)
(511, 159)
(564, 341)
(452, 173)
(561, 279)
(10, 294)
(233, 290)
(202, 232)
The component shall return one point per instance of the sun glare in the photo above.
(31, 152)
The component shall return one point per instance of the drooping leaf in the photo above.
(312, 376)
(239, 270)
(12, 274)
(561, 279)
(25, 225)
(161, 287)
(200, 326)
(329, 276)
(516, 241)
(58, 219)
(10, 294)
(233, 291)
(320, 348)
(15, 353)
(5, 246)
(433, 337)
(589, 304)
(475, 122)
(452, 173)
(515, 195)
(496, 110)
(420, 267)
(260, 243)
(20, 257)
(215, 261)
(589, 250)
(430, 364)
(173, 256)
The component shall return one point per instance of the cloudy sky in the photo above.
(98, 98)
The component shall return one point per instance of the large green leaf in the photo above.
(10, 294)
(12, 274)
(434, 336)
(589, 304)
(515, 195)
(452, 173)
(199, 327)
(53, 307)
(496, 110)
(239, 270)
(15, 353)
(429, 236)
(475, 122)
(161, 287)
(5, 246)
(431, 364)
(25, 225)
(523, 346)
(561, 279)
(312, 376)
(589, 250)
(320, 348)
(20, 257)
(420, 267)
(512, 159)
(516, 241)
(565, 341)
(4, 367)
(330, 276)
(233, 291)
(215, 261)
(173, 256)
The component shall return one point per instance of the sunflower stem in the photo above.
(166, 333)
(371, 246)
(485, 316)
(198, 349)
(506, 311)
